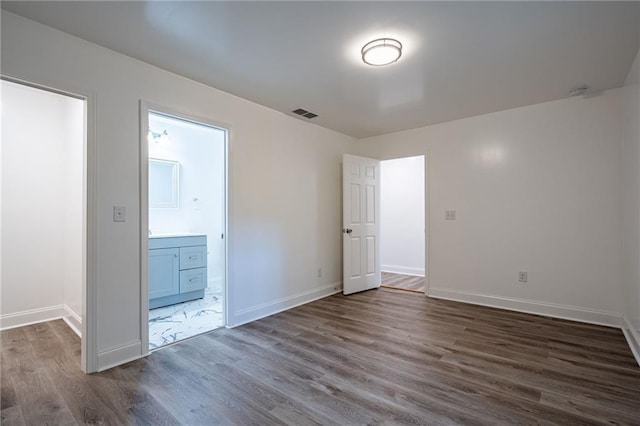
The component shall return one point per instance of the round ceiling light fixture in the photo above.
(382, 51)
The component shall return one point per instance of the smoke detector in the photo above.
(578, 90)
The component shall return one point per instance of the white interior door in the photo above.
(361, 223)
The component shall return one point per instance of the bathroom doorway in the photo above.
(186, 222)
(402, 224)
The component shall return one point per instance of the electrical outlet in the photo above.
(319, 272)
(119, 214)
(522, 277)
(449, 215)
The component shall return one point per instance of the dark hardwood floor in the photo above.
(382, 356)
(403, 282)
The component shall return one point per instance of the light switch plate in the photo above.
(119, 214)
(449, 215)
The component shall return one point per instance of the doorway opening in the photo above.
(187, 216)
(402, 223)
(44, 210)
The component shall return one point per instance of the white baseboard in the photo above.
(32, 316)
(405, 270)
(73, 320)
(120, 355)
(573, 313)
(253, 313)
(633, 339)
(216, 283)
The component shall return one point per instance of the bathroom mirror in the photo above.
(163, 183)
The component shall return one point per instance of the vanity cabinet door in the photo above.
(164, 277)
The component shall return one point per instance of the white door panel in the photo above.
(361, 228)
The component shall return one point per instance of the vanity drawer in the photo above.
(193, 279)
(193, 257)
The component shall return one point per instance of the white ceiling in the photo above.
(460, 60)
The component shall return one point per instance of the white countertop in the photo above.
(177, 235)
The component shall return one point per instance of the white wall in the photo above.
(402, 219)
(285, 184)
(631, 206)
(535, 189)
(200, 152)
(74, 199)
(42, 140)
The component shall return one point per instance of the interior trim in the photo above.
(120, 355)
(31, 316)
(244, 316)
(632, 337)
(573, 313)
(405, 270)
(73, 320)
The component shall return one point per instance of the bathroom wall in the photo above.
(402, 194)
(41, 227)
(200, 152)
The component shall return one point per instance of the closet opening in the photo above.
(44, 214)
(402, 224)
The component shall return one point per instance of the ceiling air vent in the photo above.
(304, 113)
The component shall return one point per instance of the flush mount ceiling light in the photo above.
(382, 51)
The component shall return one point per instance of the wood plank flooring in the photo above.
(403, 282)
(382, 356)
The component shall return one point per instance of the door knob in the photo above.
(347, 230)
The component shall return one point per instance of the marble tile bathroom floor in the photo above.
(176, 322)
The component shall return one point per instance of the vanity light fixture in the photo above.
(158, 137)
(381, 51)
